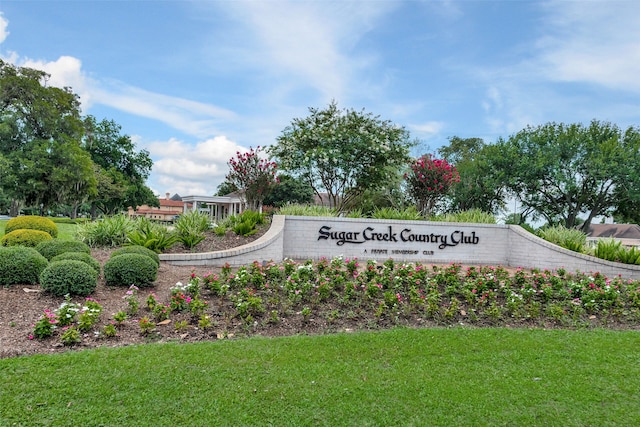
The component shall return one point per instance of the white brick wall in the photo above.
(315, 237)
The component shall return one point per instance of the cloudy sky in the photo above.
(194, 81)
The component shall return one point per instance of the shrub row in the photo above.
(32, 222)
(67, 268)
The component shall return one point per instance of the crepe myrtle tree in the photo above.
(342, 153)
(429, 180)
(253, 176)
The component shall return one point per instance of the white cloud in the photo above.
(193, 118)
(66, 71)
(427, 129)
(191, 169)
(4, 24)
(306, 45)
(597, 43)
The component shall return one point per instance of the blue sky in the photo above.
(195, 81)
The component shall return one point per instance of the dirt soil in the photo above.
(22, 306)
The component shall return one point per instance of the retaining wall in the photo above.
(410, 241)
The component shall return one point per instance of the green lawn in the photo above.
(449, 376)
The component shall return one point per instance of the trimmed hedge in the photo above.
(79, 256)
(53, 248)
(32, 222)
(137, 249)
(130, 269)
(20, 265)
(25, 237)
(69, 277)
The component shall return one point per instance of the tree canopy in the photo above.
(289, 190)
(342, 153)
(481, 186)
(561, 171)
(429, 180)
(253, 176)
(121, 171)
(45, 162)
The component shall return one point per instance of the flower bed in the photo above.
(343, 295)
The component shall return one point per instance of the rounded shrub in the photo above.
(20, 265)
(79, 256)
(32, 222)
(25, 237)
(137, 249)
(69, 277)
(130, 269)
(55, 247)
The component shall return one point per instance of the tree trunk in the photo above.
(14, 209)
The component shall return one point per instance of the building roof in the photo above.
(618, 231)
(171, 203)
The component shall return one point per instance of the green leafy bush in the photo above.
(20, 265)
(608, 249)
(245, 228)
(244, 224)
(629, 255)
(568, 238)
(25, 237)
(151, 235)
(69, 277)
(32, 222)
(108, 231)
(191, 227)
(135, 249)
(79, 256)
(130, 269)
(251, 216)
(55, 247)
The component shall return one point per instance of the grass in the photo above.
(65, 231)
(453, 376)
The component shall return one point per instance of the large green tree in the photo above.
(289, 190)
(120, 169)
(40, 131)
(563, 171)
(481, 186)
(342, 153)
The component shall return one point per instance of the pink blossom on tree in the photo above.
(253, 176)
(429, 180)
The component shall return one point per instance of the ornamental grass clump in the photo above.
(568, 238)
(295, 209)
(20, 265)
(151, 235)
(108, 231)
(475, 216)
(408, 214)
(191, 228)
